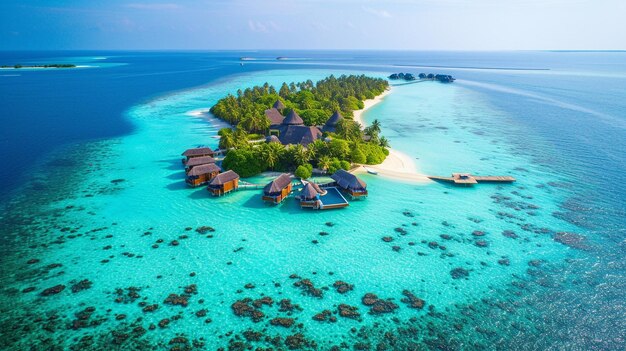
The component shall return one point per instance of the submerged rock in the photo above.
(242, 308)
(342, 287)
(308, 288)
(348, 311)
(282, 322)
(81, 285)
(510, 234)
(572, 240)
(53, 290)
(411, 300)
(459, 273)
(205, 229)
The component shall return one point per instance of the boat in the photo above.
(370, 171)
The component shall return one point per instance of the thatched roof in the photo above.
(334, 119)
(223, 178)
(299, 135)
(278, 184)
(199, 161)
(278, 105)
(309, 192)
(272, 139)
(348, 180)
(274, 116)
(293, 119)
(199, 151)
(204, 169)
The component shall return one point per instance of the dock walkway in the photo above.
(468, 179)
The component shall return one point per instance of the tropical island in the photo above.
(301, 126)
(443, 78)
(54, 65)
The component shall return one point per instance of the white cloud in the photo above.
(162, 6)
(377, 12)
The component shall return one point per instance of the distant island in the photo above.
(443, 78)
(54, 65)
(300, 126)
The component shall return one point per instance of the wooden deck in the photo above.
(469, 180)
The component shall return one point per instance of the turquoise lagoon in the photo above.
(126, 194)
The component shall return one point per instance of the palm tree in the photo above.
(375, 126)
(227, 138)
(271, 154)
(300, 154)
(383, 142)
(324, 163)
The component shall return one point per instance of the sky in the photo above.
(313, 24)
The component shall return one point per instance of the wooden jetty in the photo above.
(466, 179)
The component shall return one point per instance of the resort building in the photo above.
(310, 196)
(201, 174)
(350, 183)
(197, 161)
(224, 183)
(275, 118)
(331, 124)
(277, 190)
(197, 152)
(293, 131)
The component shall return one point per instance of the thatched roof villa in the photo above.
(224, 183)
(350, 183)
(197, 152)
(196, 161)
(201, 174)
(278, 189)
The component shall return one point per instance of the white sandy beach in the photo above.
(397, 165)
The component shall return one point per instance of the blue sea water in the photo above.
(92, 188)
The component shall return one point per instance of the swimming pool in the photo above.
(333, 198)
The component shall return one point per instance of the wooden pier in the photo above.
(467, 179)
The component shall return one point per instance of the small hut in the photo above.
(197, 152)
(310, 196)
(278, 189)
(350, 183)
(224, 183)
(197, 161)
(201, 174)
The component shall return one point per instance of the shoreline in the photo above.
(397, 165)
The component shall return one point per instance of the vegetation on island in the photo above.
(315, 103)
(55, 65)
(443, 78)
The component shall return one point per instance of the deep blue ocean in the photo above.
(564, 112)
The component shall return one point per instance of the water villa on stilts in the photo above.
(197, 161)
(278, 189)
(317, 198)
(202, 174)
(350, 184)
(224, 183)
(197, 152)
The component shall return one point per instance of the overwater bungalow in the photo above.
(224, 183)
(197, 161)
(350, 183)
(278, 189)
(201, 174)
(197, 152)
(312, 196)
